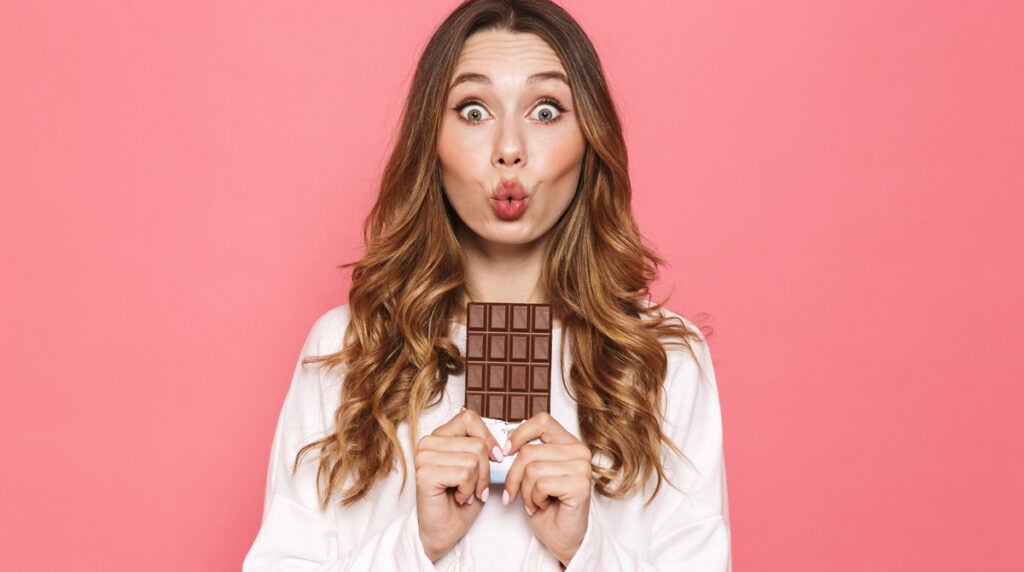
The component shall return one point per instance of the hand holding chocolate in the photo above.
(508, 368)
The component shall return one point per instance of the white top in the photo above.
(683, 528)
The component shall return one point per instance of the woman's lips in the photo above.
(509, 209)
(509, 200)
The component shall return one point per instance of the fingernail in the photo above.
(504, 498)
(507, 447)
(487, 493)
(470, 499)
(498, 455)
(528, 511)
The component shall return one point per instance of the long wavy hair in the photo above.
(409, 285)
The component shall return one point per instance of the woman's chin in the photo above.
(506, 239)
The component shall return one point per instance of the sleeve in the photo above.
(690, 517)
(295, 533)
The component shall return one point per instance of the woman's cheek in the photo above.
(563, 163)
(467, 153)
(564, 147)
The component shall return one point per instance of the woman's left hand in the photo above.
(554, 478)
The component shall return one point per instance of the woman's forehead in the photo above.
(509, 56)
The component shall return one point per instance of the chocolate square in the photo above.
(496, 377)
(520, 349)
(475, 376)
(508, 359)
(475, 346)
(518, 377)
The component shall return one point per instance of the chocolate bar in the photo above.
(508, 360)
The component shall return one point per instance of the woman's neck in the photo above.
(504, 273)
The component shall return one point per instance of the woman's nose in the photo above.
(509, 145)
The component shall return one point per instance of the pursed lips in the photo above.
(509, 189)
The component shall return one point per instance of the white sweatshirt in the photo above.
(683, 528)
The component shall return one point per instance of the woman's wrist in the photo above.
(564, 561)
(432, 555)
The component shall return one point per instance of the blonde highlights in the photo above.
(408, 286)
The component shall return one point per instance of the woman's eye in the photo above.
(546, 112)
(473, 112)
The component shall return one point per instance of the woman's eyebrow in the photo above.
(535, 78)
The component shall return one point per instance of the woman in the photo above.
(508, 184)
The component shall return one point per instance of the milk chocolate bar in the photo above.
(508, 360)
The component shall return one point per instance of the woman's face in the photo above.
(510, 146)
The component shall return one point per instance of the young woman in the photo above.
(508, 183)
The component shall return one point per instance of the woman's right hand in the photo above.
(452, 471)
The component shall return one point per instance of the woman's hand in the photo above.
(554, 479)
(452, 471)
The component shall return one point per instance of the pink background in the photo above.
(837, 184)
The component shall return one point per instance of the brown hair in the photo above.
(409, 285)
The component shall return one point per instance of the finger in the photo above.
(468, 423)
(427, 458)
(542, 426)
(565, 488)
(437, 479)
(514, 477)
(538, 470)
(532, 453)
(471, 445)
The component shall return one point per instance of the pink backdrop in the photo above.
(838, 184)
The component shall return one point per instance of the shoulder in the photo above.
(695, 337)
(313, 395)
(692, 414)
(327, 336)
(313, 378)
(689, 360)
(687, 324)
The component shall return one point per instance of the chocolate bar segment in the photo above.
(508, 360)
